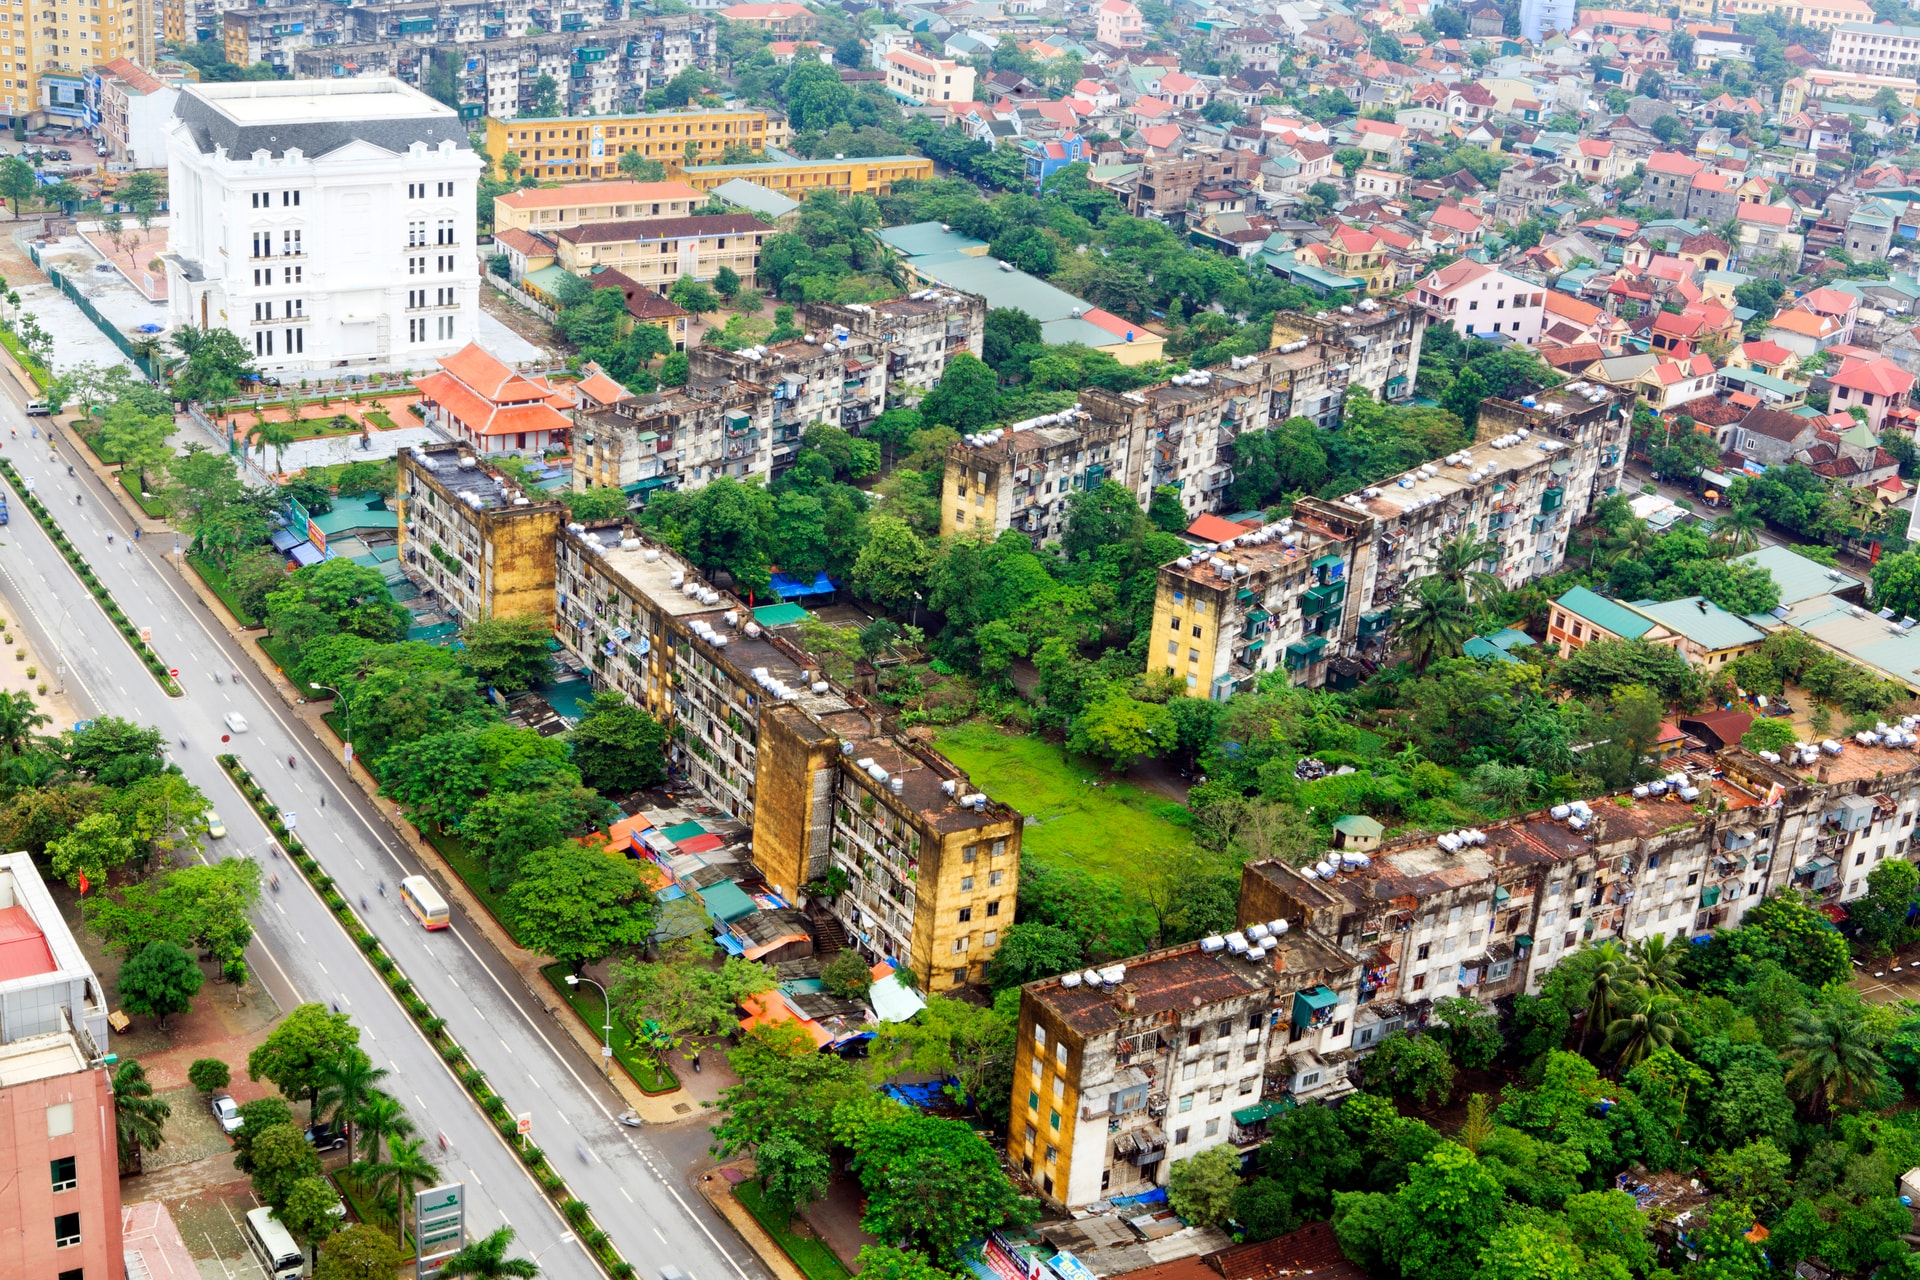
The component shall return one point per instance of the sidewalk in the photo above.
(717, 1187)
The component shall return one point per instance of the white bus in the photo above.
(275, 1248)
(425, 902)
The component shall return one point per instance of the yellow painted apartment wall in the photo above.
(640, 259)
(1034, 1103)
(1165, 610)
(939, 896)
(519, 557)
(846, 177)
(792, 751)
(966, 504)
(90, 36)
(656, 135)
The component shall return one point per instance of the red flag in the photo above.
(83, 884)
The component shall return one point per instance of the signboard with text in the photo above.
(440, 1226)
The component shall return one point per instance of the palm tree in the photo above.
(1648, 1024)
(1437, 622)
(405, 1170)
(347, 1085)
(1834, 1062)
(1740, 528)
(486, 1259)
(1602, 993)
(138, 1117)
(1656, 965)
(1633, 543)
(278, 435)
(1461, 560)
(380, 1119)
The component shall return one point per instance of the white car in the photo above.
(215, 827)
(226, 1112)
(236, 722)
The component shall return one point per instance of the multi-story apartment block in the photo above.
(54, 43)
(583, 149)
(918, 333)
(834, 379)
(680, 438)
(1885, 50)
(1272, 601)
(548, 209)
(1120, 1071)
(601, 61)
(471, 535)
(1823, 15)
(924, 81)
(794, 177)
(1180, 432)
(815, 771)
(305, 214)
(59, 1167)
(656, 252)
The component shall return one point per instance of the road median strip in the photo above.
(115, 614)
(572, 1208)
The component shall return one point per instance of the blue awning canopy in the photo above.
(791, 588)
(306, 554)
(287, 539)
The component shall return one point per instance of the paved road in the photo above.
(507, 1034)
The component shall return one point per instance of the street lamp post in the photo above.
(606, 1028)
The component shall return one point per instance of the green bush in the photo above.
(596, 1238)
(434, 1026)
(383, 962)
(418, 1008)
(453, 1053)
(576, 1212)
(552, 1182)
(473, 1077)
(508, 1127)
(532, 1155)
(400, 983)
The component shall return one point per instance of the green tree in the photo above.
(1200, 1188)
(486, 1258)
(1031, 950)
(893, 566)
(682, 996)
(256, 1117)
(1770, 735)
(618, 747)
(93, 850)
(792, 1173)
(281, 1158)
(933, 1184)
(966, 397)
(577, 903)
(115, 752)
(308, 1212)
(1881, 915)
(883, 1262)
(1437, 621)
(358, 1252)
(17, 183)
(1896, 583)
(1647, 1024)
(208, 1074)
(336, 596)
(297, 1054)
(1834, 1064)
(348, 1083)
(380, 1119)
(1416, 1067)
(405, 1170)
(693, 295)
(139, 1118)
(846, 975)
(1120, 729)
(510, 653)
(161, 980)
(953, 1038)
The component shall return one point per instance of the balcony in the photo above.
(1375, 623)
(1550, 499)
(1305, 653)
(1318, 600)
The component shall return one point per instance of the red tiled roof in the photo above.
(1210, 528)
(1881, 377)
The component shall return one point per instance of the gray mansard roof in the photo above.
(314, 117)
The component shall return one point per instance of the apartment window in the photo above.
(1060, 1054)
(993, 878)
(261, 199)
(296, 341)
(967, 853)
(74, 1273)
(446, 261)
(416, 234)
(443, 326)
(1419, 982)
(291, 275)
(290, 243)
(290, 199)
(1219, 1062)
(960, 978)
(1054, 1118)
(966, 914)
(959, 945)
(416, 191)
(66, 1230)
(966, 884)
(263, 244)
(1213, 1127)
(1180, 1137)
(443, 188)
(416, 331)
(444, 231)
(1040, 1037)
(1052, 1154)
(263, 342)
(1421, 952)
(66, 1174)
(1186, 1104)
(59, 1119)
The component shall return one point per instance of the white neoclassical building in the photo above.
(328, 223)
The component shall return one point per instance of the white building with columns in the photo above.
(328, 223)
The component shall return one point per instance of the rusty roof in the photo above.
(1163, 982)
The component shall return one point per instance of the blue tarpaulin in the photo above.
(792, 588)
(304, 552)
(287, 539)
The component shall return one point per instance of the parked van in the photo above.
(38, 409)
(274, 1246)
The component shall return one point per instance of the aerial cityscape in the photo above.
(1004, 640)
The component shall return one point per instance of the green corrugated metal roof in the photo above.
(1359, 824)
(1605, 613)
(685, 831)
(1797, 577)
(727, 902)
(778, 615)
(1710, 628)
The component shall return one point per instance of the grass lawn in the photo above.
(277, 650)
(379, 418)
(813, 1257)
(216, 579)
(588, 1004)
(131, 483)
(1102, 830)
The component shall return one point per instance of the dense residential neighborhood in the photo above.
(1012, 639)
